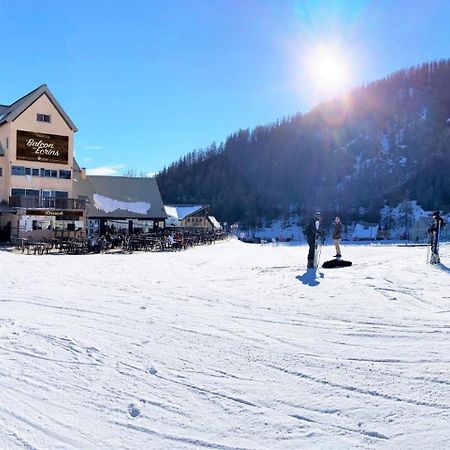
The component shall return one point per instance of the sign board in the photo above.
(61, 213)
(41, 147)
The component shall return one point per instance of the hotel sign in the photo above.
(64, 214)
(48, 148)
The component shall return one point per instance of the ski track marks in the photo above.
(222, 347)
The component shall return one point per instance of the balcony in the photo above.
(47, 202)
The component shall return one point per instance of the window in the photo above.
(17, 170)
(43, 118)
(35, 172)
(66, 174)
(1, 171)
(27, 171)
(49, 173)
(15, 192)
(32, 192)
(48, 193)
(61, 194)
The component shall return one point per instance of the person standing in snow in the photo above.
(337, 234)
(434, 231)
(312, 232)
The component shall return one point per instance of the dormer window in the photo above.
(43, 118)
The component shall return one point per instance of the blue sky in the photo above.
(148, 81)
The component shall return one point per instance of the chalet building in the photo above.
(190, 216)
(36, 168)
(123, 205)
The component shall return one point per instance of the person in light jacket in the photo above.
(337, 234)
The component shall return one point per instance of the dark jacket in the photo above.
(337, 230)
(437, 225)
(311, 231)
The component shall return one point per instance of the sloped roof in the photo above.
(11, 112)
(215, 222)
(120, 197)
(183, 211)
(171, 211)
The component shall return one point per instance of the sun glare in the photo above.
(328, 71)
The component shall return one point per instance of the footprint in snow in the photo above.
(152, 371)
(134, 410)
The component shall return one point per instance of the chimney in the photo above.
(83, 173)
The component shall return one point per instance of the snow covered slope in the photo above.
(225, 346)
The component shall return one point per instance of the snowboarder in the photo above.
(314, 236)
(337, 234)
(434, 232)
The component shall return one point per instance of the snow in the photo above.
(108, 205)
(225, 346)
(277, 229)
(362, 231)
(172, 216)
(215, 222)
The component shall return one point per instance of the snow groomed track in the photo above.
(226, 346)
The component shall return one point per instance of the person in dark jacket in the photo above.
(434, 231)
(312, 231)
(337, 235)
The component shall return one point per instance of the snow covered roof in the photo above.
(171, 211)
(215, 222)
(182, 211)
(11, 112)
(119, 197)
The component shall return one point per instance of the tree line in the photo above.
(384, 142)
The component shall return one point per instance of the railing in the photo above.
(21, 201)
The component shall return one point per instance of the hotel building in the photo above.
(36, 168)
(43, 190)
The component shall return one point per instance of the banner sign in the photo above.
(48, 148)
(63, 214)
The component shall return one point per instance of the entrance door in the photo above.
(5, 232)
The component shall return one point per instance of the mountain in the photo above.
(381, 144)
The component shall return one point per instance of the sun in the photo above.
(328, 70)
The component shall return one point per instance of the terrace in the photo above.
(20, 201)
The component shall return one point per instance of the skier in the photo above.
(337, 234)
(434, 232)
(313, 232)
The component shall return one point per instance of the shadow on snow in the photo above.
(310, 277)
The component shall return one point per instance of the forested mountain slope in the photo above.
(381, 144)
